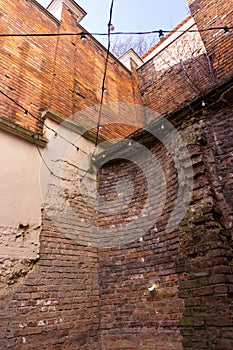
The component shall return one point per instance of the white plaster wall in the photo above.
(22, 180)
(20, 201)
(20, 208)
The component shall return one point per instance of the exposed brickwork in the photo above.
(178, 27)
(76, 297)
(26, 65)
(175, 74)
(200, 255)
(56, 72)
(219, 47)
(205, 261)
(130, 317)
(56, 306)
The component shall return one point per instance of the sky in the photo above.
(131, 15)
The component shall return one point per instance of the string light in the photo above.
(51, 173)
(227, 32)
(83, 38)
(111, 27)
(105, 90)
(160, 31)
(103, 84)
(25, 113)
(161, 35)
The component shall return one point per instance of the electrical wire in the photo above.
(108, 34)
(47, 166)
(225, 28)
(56, 134)
(44, 124)
(103, 85)
(105, 74)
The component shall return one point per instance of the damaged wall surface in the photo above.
(85, 230)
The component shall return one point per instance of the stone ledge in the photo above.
(71, 125)
(23, 133)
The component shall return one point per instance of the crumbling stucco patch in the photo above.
(19, 250)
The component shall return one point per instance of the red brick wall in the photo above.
(56, 305)
(209, 14)
(26, 63)
(194, 262)
(177, 73)
(55, 72)
(205, 261)
(79, 297)
(130, 317)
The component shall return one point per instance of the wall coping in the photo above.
(72, 125)
(23, 133)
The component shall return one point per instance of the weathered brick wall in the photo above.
(49, 279)
(209, 14)
(78, 297)
(175, 74)
(59, 73)
(26, 63)
(205, 261)
(130, 317)
(193, 263)
(56, 305)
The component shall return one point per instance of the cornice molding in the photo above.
(23, 133)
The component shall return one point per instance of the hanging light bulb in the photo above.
(227, 32)
(83, 38)
(100, 127)
(130, 143)
(103, 156)
(161, 35)
(25, 113)
(203, 103)
(153, 286)
(105, 90)
(111, 27)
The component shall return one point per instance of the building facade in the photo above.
(87, 260)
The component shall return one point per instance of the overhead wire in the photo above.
(103, 85)
(27, 112)
(108, 34)
(105, 73)
(225, 28)
(51, 172)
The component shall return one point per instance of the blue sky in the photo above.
(131, 15)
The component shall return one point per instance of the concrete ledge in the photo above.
(71, 125)
(23, 133)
